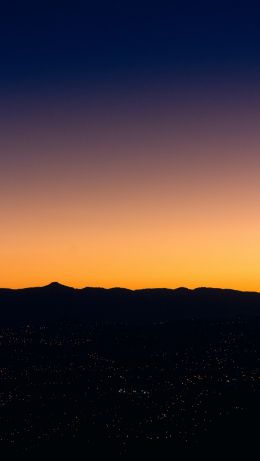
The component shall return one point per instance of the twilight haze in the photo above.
(129, 144)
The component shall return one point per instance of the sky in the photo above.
(130, 144)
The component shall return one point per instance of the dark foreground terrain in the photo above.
(172, 390)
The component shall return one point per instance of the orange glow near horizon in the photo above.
(131, 201)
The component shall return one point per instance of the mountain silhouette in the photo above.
(56, 285)
(59, 302)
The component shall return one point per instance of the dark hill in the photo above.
(55, 301)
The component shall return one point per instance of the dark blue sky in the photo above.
(72, 42)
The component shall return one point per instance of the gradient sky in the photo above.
(130, 145)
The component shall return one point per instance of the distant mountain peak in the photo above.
(56, 285)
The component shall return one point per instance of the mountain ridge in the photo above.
(177, 289)
(55, 302)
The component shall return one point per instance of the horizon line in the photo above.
(128, 289)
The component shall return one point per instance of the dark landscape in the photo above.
(130, 374)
